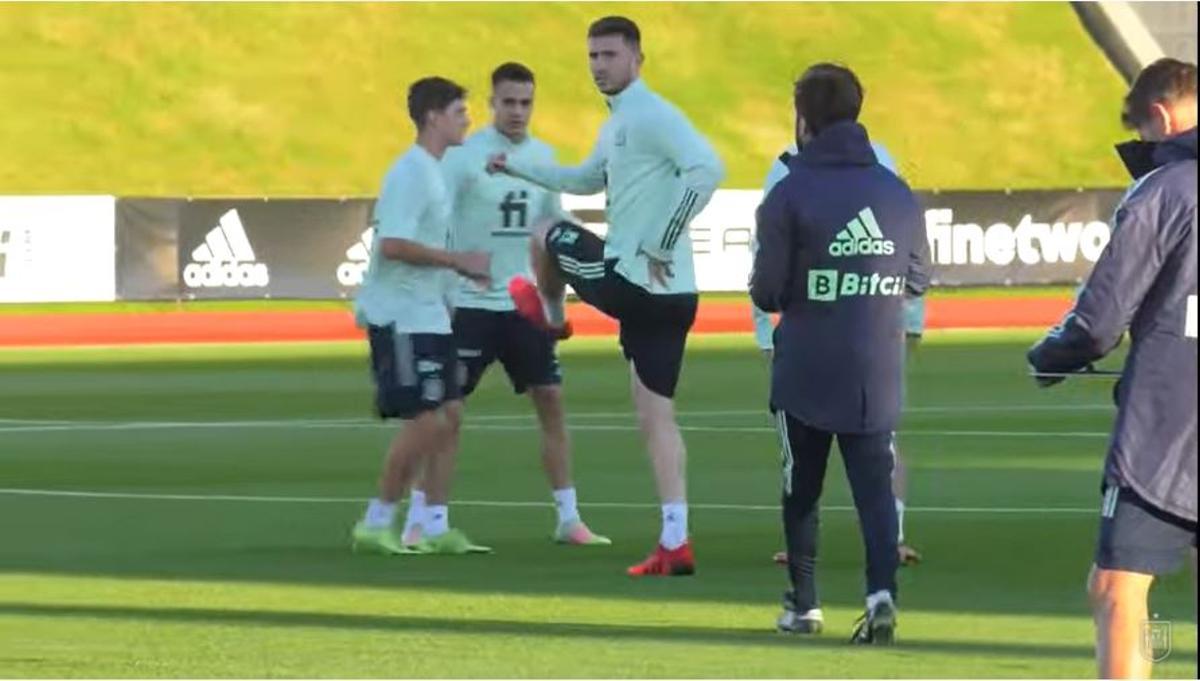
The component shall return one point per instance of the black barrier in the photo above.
(319, 248)
(288, 248)
(1021, 237)
(147, 237)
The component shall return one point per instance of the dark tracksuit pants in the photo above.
(869, 460)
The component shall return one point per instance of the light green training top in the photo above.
(413, 204)
(658, 172)
(495, 212)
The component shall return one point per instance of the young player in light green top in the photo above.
(406, 305)
(494, 214)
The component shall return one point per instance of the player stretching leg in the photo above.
(659, 173)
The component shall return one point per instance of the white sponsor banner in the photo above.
(57, 249)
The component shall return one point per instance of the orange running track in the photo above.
(333, 325)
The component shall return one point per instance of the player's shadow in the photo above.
(664, 634)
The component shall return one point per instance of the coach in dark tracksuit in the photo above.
(1144, 281)
(841, 239)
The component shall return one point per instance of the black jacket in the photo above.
(841, 240)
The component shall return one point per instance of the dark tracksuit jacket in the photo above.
(841, 239)
(1145, 281)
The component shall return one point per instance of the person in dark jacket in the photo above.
(841, 240)
(1145, 281)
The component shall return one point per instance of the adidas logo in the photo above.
(351, 272)
(861, 237)
(225, 259)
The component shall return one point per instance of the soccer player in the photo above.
(840, 240)
(914, 329)
(659, 173)
(494, 214)
(1145, 280)
(405, 304)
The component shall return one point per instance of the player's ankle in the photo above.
(674, 525)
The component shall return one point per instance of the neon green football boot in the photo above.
(450, 542)
(383, 540)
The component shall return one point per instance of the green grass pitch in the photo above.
(218, 484)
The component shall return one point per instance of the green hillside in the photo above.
(305, 99)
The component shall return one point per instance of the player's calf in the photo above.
(1119, 610)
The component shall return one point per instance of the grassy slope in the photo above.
(156, 588)
(305, 99)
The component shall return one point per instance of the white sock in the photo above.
(877, 598)
(379, 514)
(437, 520)
(675, 525)
(564, 503)
(900, 519)
(416, 511)
(556, 311)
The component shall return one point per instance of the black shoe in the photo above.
(794, 620)
(876, 626)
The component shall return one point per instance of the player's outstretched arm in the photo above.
(585, 178)
(474, 265)
(1124, 273)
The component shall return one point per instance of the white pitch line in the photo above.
(93, 426)
(83, 494)
(1010, 407)
(169, 425)
(932, 409)
(765, 429)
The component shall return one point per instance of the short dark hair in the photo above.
(826, 94)
(1166, 81)
(615, 25)
(512, 71)
(432, 94)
